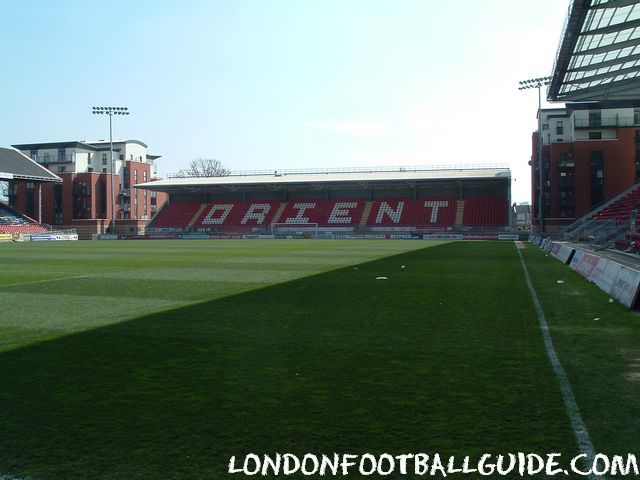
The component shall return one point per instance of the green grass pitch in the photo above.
(159, 360)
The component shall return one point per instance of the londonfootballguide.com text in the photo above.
(422, 464)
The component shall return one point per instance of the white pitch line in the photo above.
(43, 281)
(579, 427)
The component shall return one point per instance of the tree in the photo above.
(204, 167)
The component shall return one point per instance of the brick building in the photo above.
(84, 198)
(589, 155)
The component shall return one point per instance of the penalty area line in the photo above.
(577, 424)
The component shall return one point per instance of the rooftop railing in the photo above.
(383, 169)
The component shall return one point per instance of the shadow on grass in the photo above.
(428, 360)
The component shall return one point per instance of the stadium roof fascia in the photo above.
(599, 54)
(14, 165)
(275, 179)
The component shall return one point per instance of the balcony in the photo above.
(47, 159)
(126, 207)
(606, 122)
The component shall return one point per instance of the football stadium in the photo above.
(354, 323)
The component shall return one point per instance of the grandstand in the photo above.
(13, 222)
(14, 166)
(415, 200)
(614, 224)
(593, 50)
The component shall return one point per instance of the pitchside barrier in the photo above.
(6, 237)
(53, 237)
(301, 233)
(619, 281)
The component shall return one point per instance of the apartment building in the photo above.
(84, 199)
(589, 155)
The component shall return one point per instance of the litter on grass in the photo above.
(382, 278)
(560, 281)
(611, 300)
(596, 319)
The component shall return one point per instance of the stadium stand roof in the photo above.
(598, 58)
(17, 166)
(286, 179)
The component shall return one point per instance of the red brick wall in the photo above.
(619, 168)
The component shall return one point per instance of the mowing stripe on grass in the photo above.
(578, 425)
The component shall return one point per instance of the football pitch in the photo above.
(163, 359)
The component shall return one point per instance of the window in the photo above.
(104, 170)
(144, 177)
(595, 118)
(46, 157)
(34, 155)
(90, 169)
(121, 157)
(636, 116)
(62, 168)
(104, 158)
(545, 126)
(559, 127)
(57, 199)
(61, 155)
(595, 135)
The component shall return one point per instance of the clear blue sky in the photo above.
(273, 84)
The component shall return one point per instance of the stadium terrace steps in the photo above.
(365, 214)
(622, 209)
(13, 229)
(425, 213)
(460, 214)
(175, 215)
(326, 213)
(14, 223)
(197, 215)
(276, 217)
(485, 212)
(245, 214)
